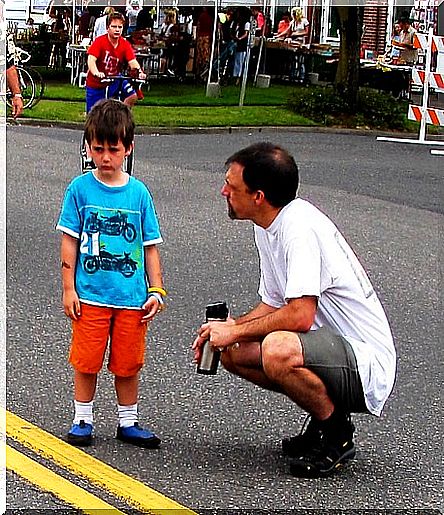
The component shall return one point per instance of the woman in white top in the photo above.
(298, 28)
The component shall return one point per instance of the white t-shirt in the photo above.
(303, 253)
(100, 27)
(297, 27)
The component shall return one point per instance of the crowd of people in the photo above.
(185, 34)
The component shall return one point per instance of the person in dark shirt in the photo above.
(144, 19)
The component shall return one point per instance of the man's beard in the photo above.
(231, 213)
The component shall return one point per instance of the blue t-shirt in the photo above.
(112, 224)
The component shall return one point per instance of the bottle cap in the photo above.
(217, 310)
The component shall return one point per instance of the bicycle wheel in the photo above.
(27, 87)
(39, 85)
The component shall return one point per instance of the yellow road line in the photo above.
(51, 482)
(81, 464)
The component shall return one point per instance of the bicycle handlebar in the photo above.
(112, 78)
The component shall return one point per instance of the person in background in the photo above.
(241, 36)
(298, 28)
(284, 24)
(84, 24)
(258, 15)
(319, 334)
(145, 19)
(396, 38)
(107, 56)
(169, 31)
(183, 43)
(132, 12)
(204, 33)
(408, 53)
(12, 80)
(100, 26)
(227, 42)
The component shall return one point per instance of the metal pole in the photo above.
(425, 93)
(210, 69)
(262, 43)
(73, 28)
(245, 68)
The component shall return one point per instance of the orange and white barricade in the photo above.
(425, 78)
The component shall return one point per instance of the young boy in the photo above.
(111, 273)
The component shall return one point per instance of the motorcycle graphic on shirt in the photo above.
(110, 262)
(107, 241)
(114, 225)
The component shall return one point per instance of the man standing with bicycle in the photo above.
(106, 57)
(13, 82)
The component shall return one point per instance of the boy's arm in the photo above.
(68, 255)
(153, 271)
(92, 67)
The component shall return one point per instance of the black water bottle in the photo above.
(209, 360)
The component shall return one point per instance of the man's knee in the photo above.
(281, 351)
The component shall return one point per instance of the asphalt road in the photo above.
(221, 436)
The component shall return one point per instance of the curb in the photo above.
(165, 131)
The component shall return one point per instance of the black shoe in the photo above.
(138, 436)
(80, 434)
(324, 461)
(336, 448)
(309, 438)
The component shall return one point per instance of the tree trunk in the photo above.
(347, 75)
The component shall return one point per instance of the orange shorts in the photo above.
(121, 327)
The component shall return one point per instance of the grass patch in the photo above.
(170, 94)
(155, 116)
(169, 104)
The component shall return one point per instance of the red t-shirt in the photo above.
(110, 60)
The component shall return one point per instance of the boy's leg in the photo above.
(93, 95)
(126, 360)
(127, 389)
(89, 340)
(129, 431)
(84, 386)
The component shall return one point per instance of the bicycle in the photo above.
(31, 82)
(86, 163)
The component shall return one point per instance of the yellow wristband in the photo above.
(156, 289)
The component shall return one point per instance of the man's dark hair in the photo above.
(271, 169)
(115, 16)
(110, 121)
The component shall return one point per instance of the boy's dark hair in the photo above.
(271, 169)
(110, 121)
(115, 16)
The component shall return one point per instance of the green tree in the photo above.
(347, 75)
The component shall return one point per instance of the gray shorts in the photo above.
(332, 359)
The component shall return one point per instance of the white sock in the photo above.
(127, 415)
(83, 411)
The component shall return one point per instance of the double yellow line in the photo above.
(80, 464)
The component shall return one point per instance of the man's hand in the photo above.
(99, 75)
(219, 334)
(71, 304)
(17, 106)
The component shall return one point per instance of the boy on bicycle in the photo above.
(111, 274)
(107, 56)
